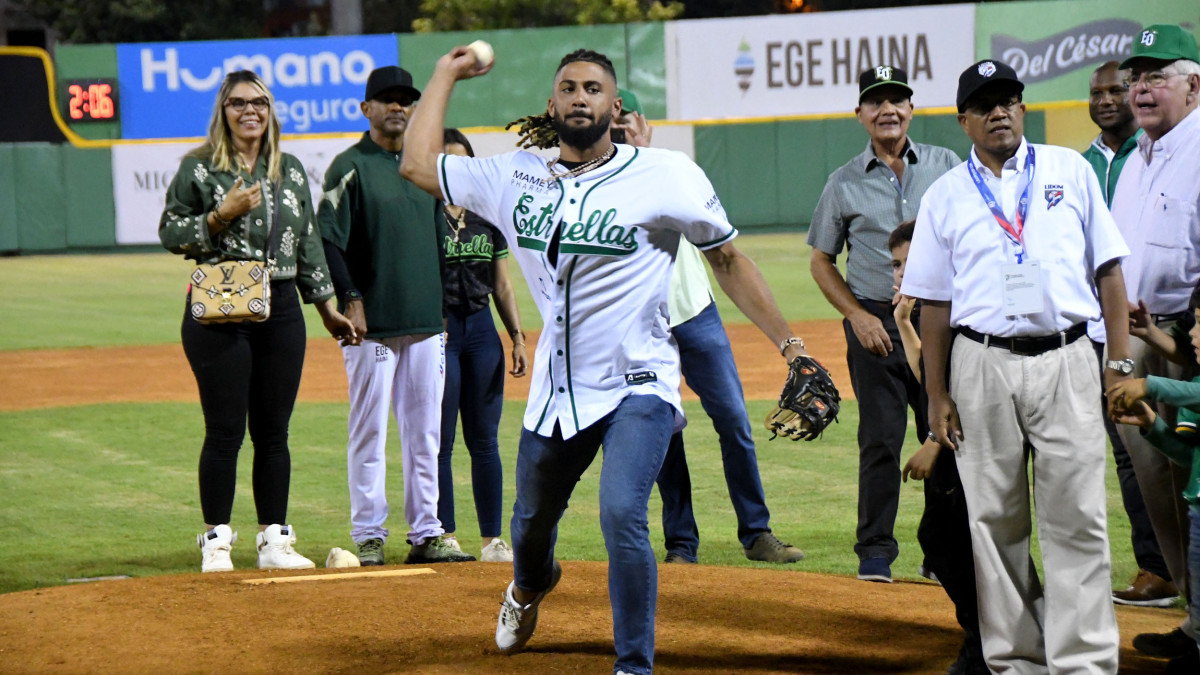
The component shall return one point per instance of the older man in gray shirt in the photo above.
(862, 203)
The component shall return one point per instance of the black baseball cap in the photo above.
(390, 77)
(983, 74)
(880, 76)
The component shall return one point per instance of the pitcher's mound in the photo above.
(710, 620)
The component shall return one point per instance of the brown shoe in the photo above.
(1147, 590)
(768, 548)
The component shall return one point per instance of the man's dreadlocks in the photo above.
(537, 131)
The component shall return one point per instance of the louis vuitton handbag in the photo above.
(236, 290)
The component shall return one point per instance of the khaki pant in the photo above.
(1013, 409)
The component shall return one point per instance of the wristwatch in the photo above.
(1124, 366)
(784, 344)
(351, 295)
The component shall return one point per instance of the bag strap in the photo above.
(274, 233)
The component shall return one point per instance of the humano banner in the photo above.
(1054, 45)
(809, 63)
(168, 89)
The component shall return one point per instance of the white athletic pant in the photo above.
(1017, 409)
(409, 372)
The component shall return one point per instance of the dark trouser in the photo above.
(1145, 545)
(248, 371)
(945, 538)
(885, 388)
(474, 385)
(707, 363)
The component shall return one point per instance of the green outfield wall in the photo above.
(769, 175)
(55, 198)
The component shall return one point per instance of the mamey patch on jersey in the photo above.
(1054, 195)
(713, 203)
(640, 377)
(600, 235)
(535, 183)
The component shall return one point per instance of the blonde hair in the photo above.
(218, 146)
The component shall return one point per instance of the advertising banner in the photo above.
(168, 89)
(1054, 45)
(142, 171)
(809, 63)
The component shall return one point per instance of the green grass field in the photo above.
(111, 489)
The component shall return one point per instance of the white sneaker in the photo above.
(214, 549)
(452, 542)
(497, 551)
(517, 621)
(275, 550)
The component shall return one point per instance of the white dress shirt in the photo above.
(1157, 208)
(606, 332)
(959, 251)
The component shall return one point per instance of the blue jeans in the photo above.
(634, 437)
(474, 385)
(708, 367)
(1194, 570)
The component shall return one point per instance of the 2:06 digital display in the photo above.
(90, 101)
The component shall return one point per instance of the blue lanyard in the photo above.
(1015, 231)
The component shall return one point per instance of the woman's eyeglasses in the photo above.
(261, 104)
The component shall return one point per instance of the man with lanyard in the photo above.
(1157, 207)
(1108, 106)
(706, 360)
(595, 231)
(381, 238)
(862, 203)
(1019, 290)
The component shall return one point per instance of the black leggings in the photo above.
(248, 370)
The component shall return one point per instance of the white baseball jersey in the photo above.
(959, 251)
(606, 332)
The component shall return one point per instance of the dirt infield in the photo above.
(710, 620)
(47, 378)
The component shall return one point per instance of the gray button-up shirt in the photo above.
(863, 202)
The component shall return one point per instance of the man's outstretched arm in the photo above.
(423, 139)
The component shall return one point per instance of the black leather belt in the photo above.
(1164, 318)
(1027, 346)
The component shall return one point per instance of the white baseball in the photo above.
(341, 558)
(483, 53)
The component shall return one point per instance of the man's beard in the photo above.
(584, 137)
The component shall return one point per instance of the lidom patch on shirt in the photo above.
(640, 377)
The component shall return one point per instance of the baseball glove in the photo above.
(808, 404)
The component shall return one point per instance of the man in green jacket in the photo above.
(1108, 106)
(382, 246)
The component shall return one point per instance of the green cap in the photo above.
(1165, 42)
(629, 101)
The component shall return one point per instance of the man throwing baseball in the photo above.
(595, 231)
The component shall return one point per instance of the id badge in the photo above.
(1023, 293)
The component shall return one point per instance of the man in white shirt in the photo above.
(1013, 246)
(1157, 208)
(595, 231)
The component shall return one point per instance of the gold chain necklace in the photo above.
(582, 168)
(461, 219)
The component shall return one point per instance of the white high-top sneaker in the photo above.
(275, 550)
(497, 551)
(214, 549)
